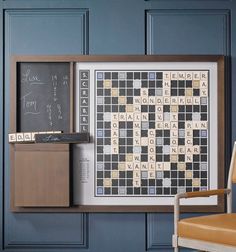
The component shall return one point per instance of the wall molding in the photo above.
(151, 242)
(83, 14)
(81, 243)
(150, 14)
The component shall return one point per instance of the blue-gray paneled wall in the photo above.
(105, 27)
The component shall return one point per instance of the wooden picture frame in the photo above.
(214, 65)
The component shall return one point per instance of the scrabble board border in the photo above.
(73, 59)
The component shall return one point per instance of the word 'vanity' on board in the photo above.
(151, 132)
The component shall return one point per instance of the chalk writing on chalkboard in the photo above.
(43, 96)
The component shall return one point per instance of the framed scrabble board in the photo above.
(157, 125)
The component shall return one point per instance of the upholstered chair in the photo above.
(213, 233)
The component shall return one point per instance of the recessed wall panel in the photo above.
(187, 32)
(41, 32)
(182, 32)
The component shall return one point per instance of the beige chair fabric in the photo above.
(217, 228)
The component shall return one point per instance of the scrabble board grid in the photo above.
(151, 132)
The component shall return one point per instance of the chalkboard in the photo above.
(43, 96)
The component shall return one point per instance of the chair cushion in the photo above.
(217, 228)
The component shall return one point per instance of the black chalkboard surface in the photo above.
(43, 96)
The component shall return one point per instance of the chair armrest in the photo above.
(202, 193)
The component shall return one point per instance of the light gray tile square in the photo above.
(100, 166)
(159, 141)
(196, 116)
(137, 83)
(204, 166)
(159, 174)
(166, 149)
(137, 149)
(166, 182)
(203, 100)
(122, 75)
(122, 133)
(181, 190)
(144, 174)
(107, 149)
(100, 100)
(159, 92)
(122, 190)
(145, 125)
(166, 116)
(181, 133)
(107, 117)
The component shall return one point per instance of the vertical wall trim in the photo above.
(226, 22)
(149, 32)
(2, 130)
(86, 32)
(150, 235)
